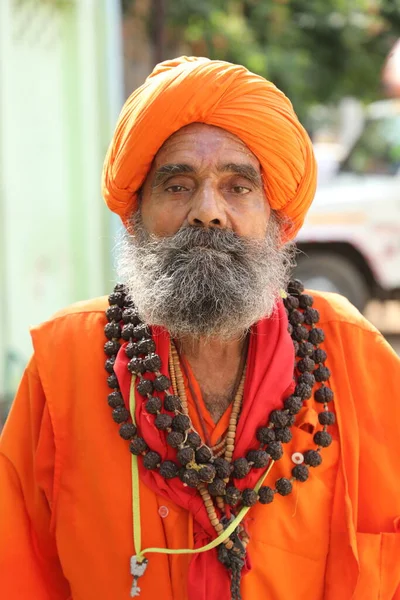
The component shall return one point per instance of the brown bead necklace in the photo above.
(225, 448)
(226, 445)
(211, 470)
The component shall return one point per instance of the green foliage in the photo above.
(314, 50)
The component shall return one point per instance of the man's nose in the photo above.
(208, 208)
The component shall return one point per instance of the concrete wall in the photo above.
(60, 92)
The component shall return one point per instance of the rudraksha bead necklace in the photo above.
(226, 445)
(225, 467)
(209, 470)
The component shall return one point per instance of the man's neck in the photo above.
(216, 365)
(211, 348)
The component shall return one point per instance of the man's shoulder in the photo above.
(336, 309)
(73, 315)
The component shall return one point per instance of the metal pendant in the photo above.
(137, 570)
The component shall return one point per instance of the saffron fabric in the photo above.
(65, 481)
(269, 380)
(189, 90)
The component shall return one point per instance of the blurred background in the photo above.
(66, 67)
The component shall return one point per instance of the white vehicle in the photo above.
(350, 241)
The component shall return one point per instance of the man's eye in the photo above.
(240, 189)
(175, 189)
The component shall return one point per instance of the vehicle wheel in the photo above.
(333, 273)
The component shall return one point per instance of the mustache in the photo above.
(190, 238)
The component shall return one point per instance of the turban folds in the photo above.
(198, 90)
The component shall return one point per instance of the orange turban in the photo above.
(199, 90)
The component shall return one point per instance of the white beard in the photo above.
(204, 282)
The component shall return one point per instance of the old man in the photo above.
(211, 431)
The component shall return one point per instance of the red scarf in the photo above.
(269, 380)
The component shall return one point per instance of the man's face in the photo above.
(202, 257)
(205, 176)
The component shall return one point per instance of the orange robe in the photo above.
(65, 480)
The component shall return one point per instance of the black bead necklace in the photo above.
(196, 466)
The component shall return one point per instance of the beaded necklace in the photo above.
(178, 386)
(228, 443)
(197, 465)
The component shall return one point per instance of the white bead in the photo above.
(297, 458)
(163, 511)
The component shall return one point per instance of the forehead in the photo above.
(199, 141)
